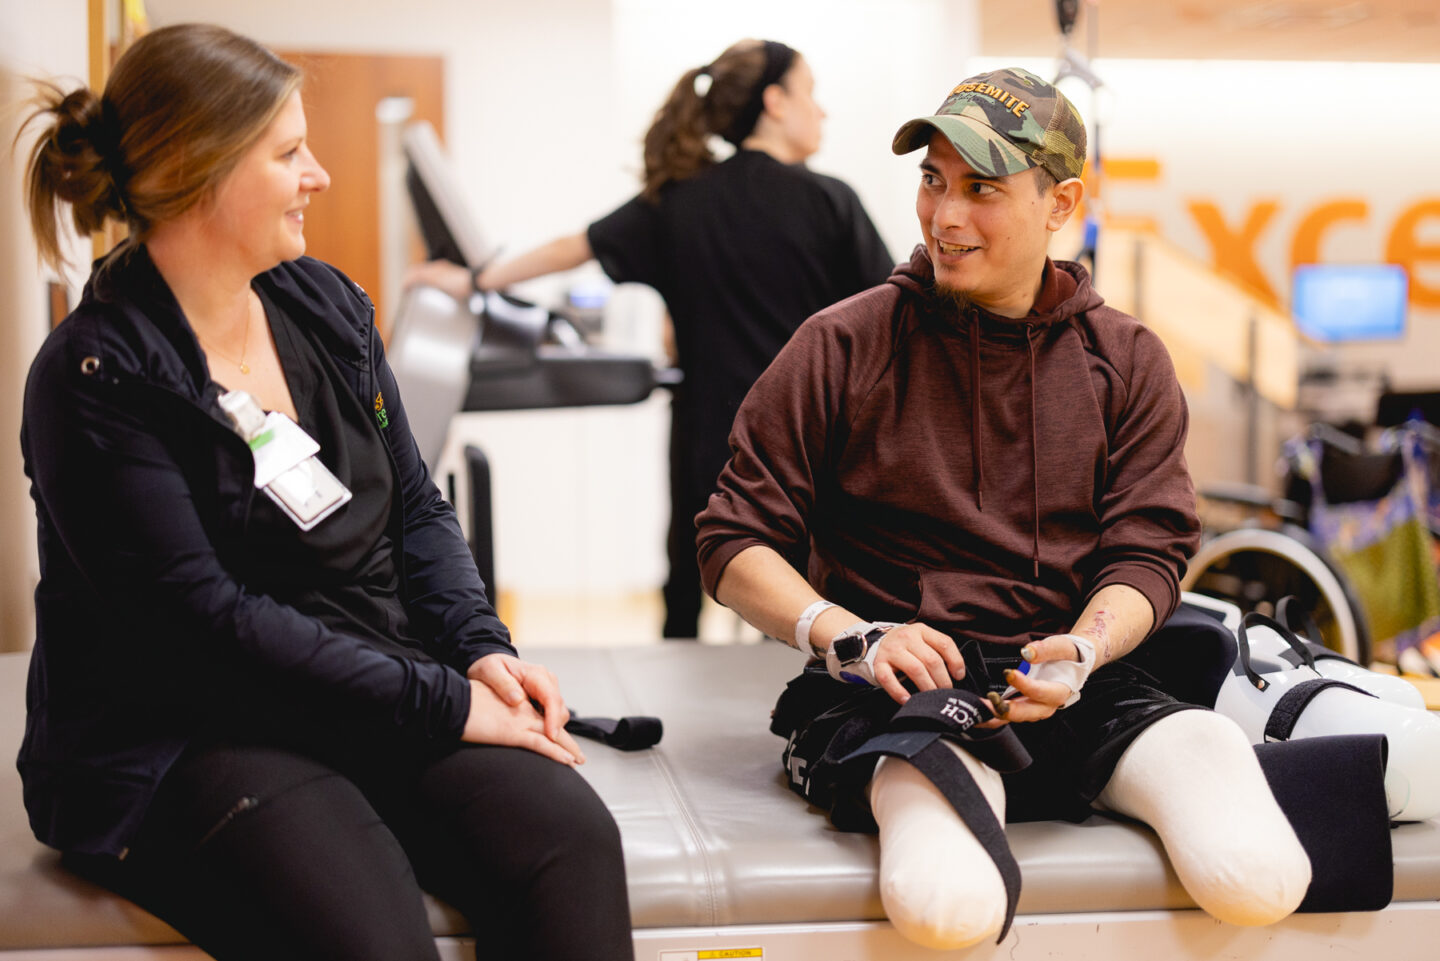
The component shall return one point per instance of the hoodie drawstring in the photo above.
(976, 451)
(1034, 452)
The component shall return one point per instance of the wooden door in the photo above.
(341, 91)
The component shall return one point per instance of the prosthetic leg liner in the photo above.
(1194, 778)
(915, 735)
(836, 733)
(1331, 790)
(940, 887)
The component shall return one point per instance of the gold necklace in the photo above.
(240, 365)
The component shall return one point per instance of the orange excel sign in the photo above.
(1412, 239)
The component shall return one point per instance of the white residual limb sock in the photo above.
(938, 885)
(1194, 778)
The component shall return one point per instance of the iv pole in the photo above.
(1074, 64)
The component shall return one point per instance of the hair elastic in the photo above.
(778, 60)
(104, 134)
(704, 79)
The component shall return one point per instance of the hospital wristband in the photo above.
(807, 620)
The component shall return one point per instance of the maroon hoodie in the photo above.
(980, 474)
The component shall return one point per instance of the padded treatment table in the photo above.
(724, 861)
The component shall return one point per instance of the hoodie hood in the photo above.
(1064, 294)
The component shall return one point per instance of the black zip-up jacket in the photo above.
(143, 493)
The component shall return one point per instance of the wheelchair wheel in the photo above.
(1254, 568)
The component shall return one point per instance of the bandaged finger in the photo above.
(1071, 673)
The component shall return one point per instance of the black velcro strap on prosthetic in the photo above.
(915, 733)
(949, 775)
(954, 713)
(1293, 702)
(626, 734)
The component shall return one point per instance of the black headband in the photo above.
(778, 60)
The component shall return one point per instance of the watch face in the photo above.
(849, 648)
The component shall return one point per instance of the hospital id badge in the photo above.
(288, 471)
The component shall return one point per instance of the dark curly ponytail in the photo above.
(714, 99)
(181, 107)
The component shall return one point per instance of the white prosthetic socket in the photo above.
(938, 885)
(1194, 778)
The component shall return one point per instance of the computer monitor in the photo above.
(1398, 406)
(1337, 303)
(446, 226)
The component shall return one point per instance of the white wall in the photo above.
(1297, 135)
(38, 40)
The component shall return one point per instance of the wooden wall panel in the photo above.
(340, 94)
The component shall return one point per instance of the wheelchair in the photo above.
(1271, 552)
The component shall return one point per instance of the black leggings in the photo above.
(257, 852)
(697, 455)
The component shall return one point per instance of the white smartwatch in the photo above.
(851, 655)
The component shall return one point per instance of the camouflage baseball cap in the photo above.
(1005, 122)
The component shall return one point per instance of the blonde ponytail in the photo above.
(182, 106)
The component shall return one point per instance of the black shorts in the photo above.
(1331, 788)
(1073, 752)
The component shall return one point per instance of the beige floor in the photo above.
(598, 621)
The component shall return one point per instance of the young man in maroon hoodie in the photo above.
(981, 451)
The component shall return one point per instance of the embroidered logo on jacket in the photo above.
(381, 417)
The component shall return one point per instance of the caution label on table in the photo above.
(712, 954)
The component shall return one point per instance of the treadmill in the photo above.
(492, 352)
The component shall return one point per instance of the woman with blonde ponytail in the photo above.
(741, 249)
(269, 700)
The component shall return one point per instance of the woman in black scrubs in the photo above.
(742, 251)
(272, 734)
